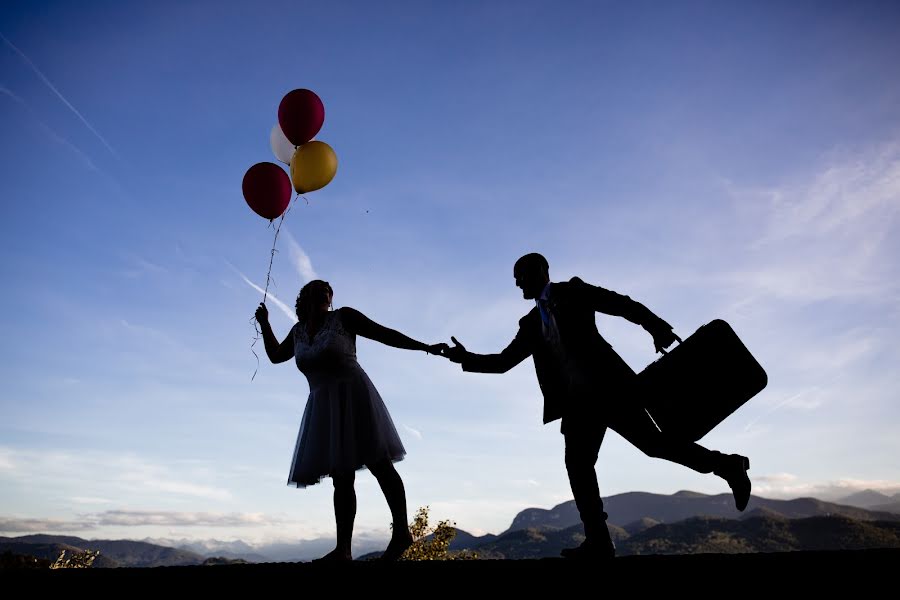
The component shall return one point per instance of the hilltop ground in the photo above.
(673, 576)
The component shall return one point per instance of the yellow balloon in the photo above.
(313, 166)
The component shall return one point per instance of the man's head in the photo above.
(532, 273)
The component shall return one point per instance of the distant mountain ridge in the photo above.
(869, 499)
(237, 549)
(893, 507)
(113, 553)
(630, 507)
(640, 522)
(707, 535)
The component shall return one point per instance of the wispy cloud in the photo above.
(786, 485)
(752, 426)
(90, 500)
(184, 488)
(526, 482)
(300, 259)
(14, 525)
(415, 432)
(6, 460)
(141, 266)
(151, 346)
(112, 476)
(59, 95)
(829, 237)
(137, 518)
(804, 399)
(290, 314)
(777, 478)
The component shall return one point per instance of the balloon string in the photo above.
(269, 278)
(255, 339)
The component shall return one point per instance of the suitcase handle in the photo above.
(664, 351)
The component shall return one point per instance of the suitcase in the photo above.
(696, 385)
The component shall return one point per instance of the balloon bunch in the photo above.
(266, 187)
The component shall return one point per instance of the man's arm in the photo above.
(517, 351)
(611, 303)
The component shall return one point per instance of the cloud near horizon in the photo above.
(787, 486)
(138, 518)
(780, 486)
(25, 525)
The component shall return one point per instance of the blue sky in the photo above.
(711, 160)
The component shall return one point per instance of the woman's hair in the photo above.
(304, 298)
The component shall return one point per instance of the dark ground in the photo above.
(720, 575)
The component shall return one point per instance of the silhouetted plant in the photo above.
(78, 560)
(433, 543)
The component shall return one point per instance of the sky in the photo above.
(711, 160)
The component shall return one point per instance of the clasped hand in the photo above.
(455, 354)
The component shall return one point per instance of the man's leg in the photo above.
(582, 448)
(634, 424)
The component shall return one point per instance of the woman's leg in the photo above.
(344, 515)
(395, 494)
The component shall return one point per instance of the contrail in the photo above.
(60, 96)
(284, 307)
(300, 259)
(790, 399)
(52, 134)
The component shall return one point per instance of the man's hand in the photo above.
(662, 342)
(457, 353)
(663, 336)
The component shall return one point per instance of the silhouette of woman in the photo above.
(346, 425)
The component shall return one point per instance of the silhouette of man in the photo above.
(586, 384)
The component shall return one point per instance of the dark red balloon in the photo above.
(267, 189)
(301, 114)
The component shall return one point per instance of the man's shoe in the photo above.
(588, 551)
(734, 471)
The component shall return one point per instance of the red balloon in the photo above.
(267, 189)
(301, 114)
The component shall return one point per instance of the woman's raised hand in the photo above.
(262, 313)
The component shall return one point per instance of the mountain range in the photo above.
(624, 509)
(640, 522)
(113, 553)
(872, 500)
(704, 535)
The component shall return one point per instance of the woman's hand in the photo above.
(262, 313)
(437, 349)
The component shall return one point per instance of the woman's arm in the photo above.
(360, 324)
(277, 353)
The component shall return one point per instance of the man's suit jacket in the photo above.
(600, 368)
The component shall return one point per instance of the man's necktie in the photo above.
(544, 308)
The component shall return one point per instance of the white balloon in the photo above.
(281, 146)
